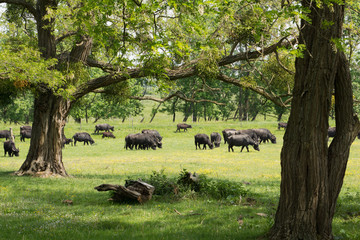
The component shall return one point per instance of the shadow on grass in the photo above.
(36, 211)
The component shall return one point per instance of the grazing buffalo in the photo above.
(130, 140)
(227, 132)
(282, 125)
(108, 135)
(202, 138)
(265, 135)
(83, 137)
(153, 132)
(9, 147)
(25, 134)
(5, 134)
(251, 132)
(103, 127)
(242, 140)
(331, 132)
(25, 128)
(66, 141)
(182, 126)
(215, 139)
(141, 141)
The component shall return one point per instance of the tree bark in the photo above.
(45, 153)
(312, 173)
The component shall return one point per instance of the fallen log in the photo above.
(133, 190)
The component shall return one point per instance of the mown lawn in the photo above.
(33, 208)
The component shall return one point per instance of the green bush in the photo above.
(211, 188)
(163, 185)
(221, 189)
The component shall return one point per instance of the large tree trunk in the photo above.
(45, 154)
(312, 173)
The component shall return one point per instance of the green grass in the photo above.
(32, 208)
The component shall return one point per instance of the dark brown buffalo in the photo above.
(66, 141)
(141, 141)
(242, 140)
(103, 127)
(251, 132)
(204, 139)
(182, 126)
(25, 134)
(83, 137)
(282, 125)
(265, 135)
(25, 128)
(215, 139)
(227, 132)
(331, 132)
(153, 132)
(108, 135)
(9, 147)
(5, 134)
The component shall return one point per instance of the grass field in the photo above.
(32, 208)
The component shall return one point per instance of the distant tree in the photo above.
(19, 110)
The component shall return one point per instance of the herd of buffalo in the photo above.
(152, 138)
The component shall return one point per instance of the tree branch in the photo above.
(274, 98)
(104, 81)
(255, 54)
(188, 70)
(68, 34)
(30, 7)
(176, 94)
(282, 65)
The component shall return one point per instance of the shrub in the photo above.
(185, 182)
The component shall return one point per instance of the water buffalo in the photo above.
(204, 139)
(9, 147)
(331, 132)
(282, 125)
(215, 139)
(142, 141)
(226, 133)
(182, 126)
(108, 135)
(153, 132)
(25, 134)
(130, 140)
(251, 132)
(265, 135)
(5, 134)
(66, 141)
(242, 140)
(25, 128)
(83, 137)
(103, 127)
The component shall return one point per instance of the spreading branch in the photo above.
(68, 34)
(188, 70)
(179, 95)
(274, 98)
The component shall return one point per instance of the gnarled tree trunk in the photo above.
(45, 153)
(312, 173)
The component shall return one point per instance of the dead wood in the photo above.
(133, 190)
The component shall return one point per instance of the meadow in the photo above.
(33, 208)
